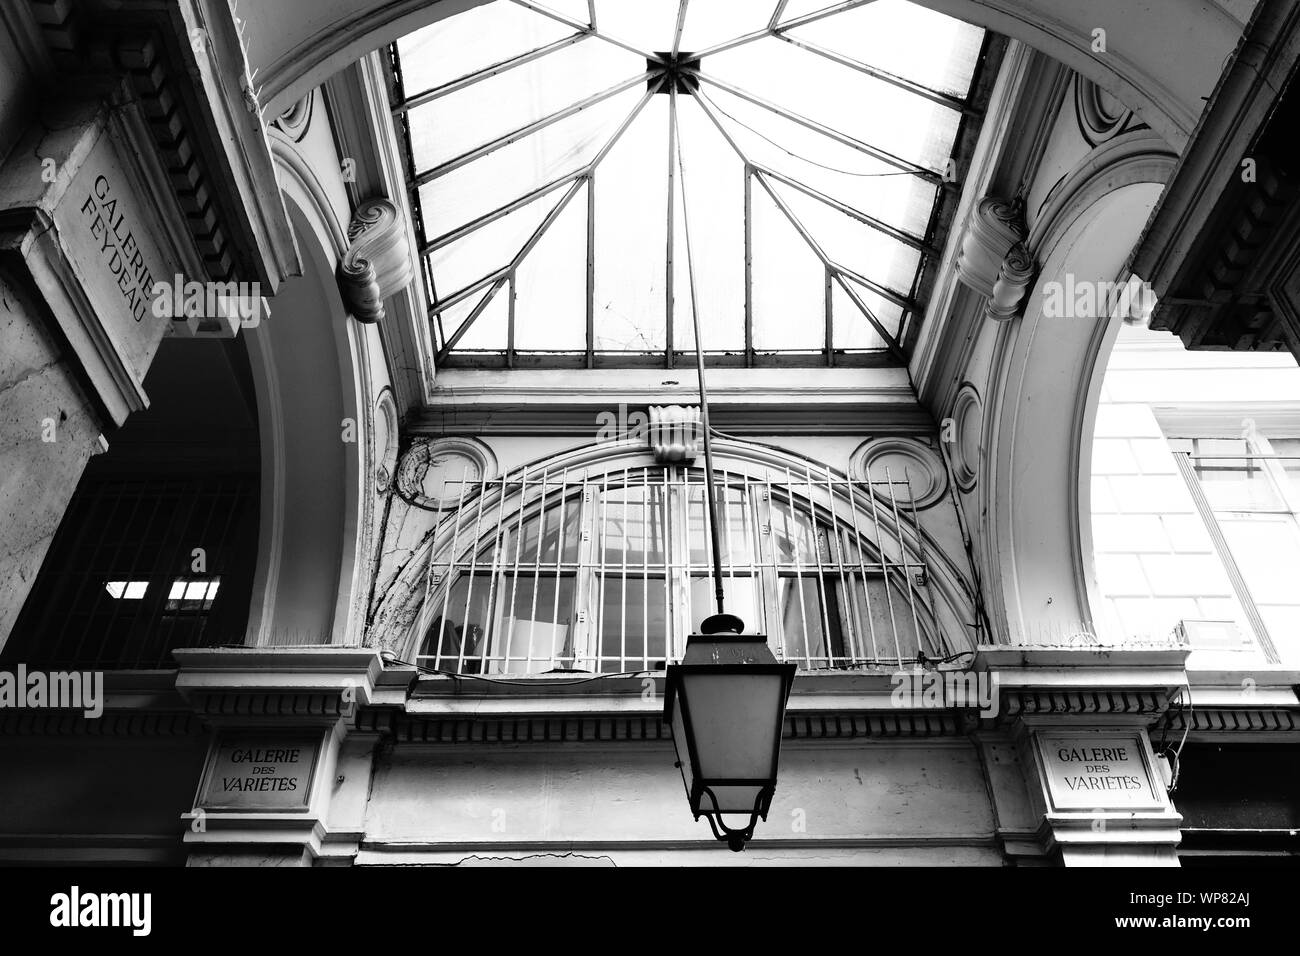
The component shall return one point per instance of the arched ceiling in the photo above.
(1162, 57)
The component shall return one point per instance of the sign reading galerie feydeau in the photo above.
(1087, 771)
(248, 772)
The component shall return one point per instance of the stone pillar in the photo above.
(1075, 721)
(48, 431)
(85, 232)
(287, 774)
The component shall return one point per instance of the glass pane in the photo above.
(632, 235)
(884, 626)
(710, 22)
(851, 243)
(519, 97)
(789, 282)
(902, 39)
(502, 177)
(536, 626)
(633, 622)
(649, 24)
(1232, 488)
(551, 289)
(813, 160)
(489, 248)
(470, 41)
(489, 329)
(810, 621)
(457, 637)
(713, 192)
(735, 530)
(739, 594)
(860, 106)
(794, 539)
(1288, 451)
(632, 526)
(559, 527)
(853, 330)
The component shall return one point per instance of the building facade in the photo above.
(354, 491)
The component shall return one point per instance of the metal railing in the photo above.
(537, 571)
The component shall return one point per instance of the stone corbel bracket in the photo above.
(377, 262)
(994, 260)
(675, 433)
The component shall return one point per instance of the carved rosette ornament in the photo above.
(994, 260)
(377, 262)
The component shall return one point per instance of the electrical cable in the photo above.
(513, 683)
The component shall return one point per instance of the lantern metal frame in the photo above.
(718, 653)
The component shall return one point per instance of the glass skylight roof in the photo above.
(560, 155)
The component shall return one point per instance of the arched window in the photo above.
(610, 573)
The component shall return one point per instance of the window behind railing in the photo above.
(547, 572)
(139, 567)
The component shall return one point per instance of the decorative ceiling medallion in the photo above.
(968, 422)
(386, 436)
(915, 469)
(435, 472)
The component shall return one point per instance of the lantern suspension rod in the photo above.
(699, 371)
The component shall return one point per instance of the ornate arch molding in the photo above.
(1018, 439)
(1164, 58)
(274, 367)
(951, 587)
(1136, 156)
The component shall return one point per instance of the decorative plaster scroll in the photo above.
(994, 260)
(675, 433)
(434, 472)
(1014, 276)
(386, 436)
(377, 262)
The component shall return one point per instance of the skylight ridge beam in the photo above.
(929, 175)
(893, 232)
(910, 86)
(816, 15)
(893, 345)
(884, 291)
(726, 45)
(681, 25)
(579, 25)
(671, 241)
(776, 14)
(496, 69)
(522, 132)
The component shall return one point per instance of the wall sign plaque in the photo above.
(261, 772)
(1088, 771)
